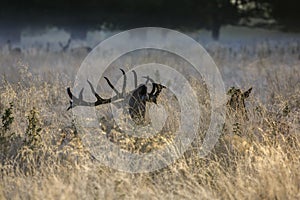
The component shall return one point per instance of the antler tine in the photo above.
(100, 100)
(70, 93)
(135, 78)
(112, 87)
(156, 90)
(148, 79)
(153, 84)
(77, 101)
(159, 88)
(72, 97)
(153, 89)
(94, 91)
(124, 83)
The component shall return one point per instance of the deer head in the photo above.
(236, 103)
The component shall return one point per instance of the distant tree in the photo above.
(220, 12)
(286, 13)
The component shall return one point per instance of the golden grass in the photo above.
(263, 162)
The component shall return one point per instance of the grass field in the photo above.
(42, 156)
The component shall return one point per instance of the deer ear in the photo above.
(247, 93)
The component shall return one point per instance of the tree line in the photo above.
(188, 14)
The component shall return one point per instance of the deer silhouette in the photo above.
(135, 100)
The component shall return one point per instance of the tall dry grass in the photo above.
(42, 156)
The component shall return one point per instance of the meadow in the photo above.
(42, 156)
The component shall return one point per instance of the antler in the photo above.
(151, 97)
(135, 79)
(80, 102)
(156, 89)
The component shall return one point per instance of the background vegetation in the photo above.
(42, 156)
(124, 14)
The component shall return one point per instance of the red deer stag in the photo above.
(134, 100)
